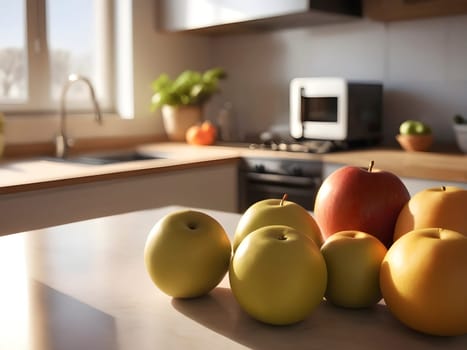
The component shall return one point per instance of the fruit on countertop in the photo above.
(353, 261)
(204, 134)
(434, 207)
(277, 212)
(187, 253)
(360, 199)
(414, 127)
(278, 275)
(281, 270)
(414, 135)
(423, 281)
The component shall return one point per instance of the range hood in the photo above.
(233, 16)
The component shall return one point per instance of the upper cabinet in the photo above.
(221, 16)
(395, 10)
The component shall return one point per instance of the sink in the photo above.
(108, 158)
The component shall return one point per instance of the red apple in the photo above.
(360, 199)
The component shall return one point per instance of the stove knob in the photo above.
(260, 168)
(296, 171)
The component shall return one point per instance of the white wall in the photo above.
(156, 53)
(422, 63)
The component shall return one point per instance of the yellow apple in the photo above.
(187, 253)
(278, 275)
(277, 212)
(353, 260)
(443, 206)
(423, 280)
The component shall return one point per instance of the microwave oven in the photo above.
(335, 109)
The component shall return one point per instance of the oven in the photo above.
(264, 178)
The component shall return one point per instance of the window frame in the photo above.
(39, 99)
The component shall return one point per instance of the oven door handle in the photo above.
(284, 179)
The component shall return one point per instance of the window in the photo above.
(44, 41)
(13, 82)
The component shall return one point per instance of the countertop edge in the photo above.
(420, 165)
(113, 175)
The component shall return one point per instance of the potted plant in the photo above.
(183, 98)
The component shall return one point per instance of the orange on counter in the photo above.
(204, 134)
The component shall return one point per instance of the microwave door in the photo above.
(321, 109)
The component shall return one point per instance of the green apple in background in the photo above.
(408, 127)
(353, 260)
(278, 275)
(277, 212)
(187, 253)
(422, 129)
(414, 127)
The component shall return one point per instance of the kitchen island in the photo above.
(84, 286)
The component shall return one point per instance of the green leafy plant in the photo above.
(189, 88)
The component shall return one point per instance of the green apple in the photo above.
(408, 127)
(277, 212)
(422, 129)
(278, 275)
(414, 127)
(353, 260)
(187, 253)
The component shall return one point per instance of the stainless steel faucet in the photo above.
(62, 142)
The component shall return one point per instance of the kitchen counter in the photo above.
(84, 286)
(40, 173)
(25, 175)
(422, 165)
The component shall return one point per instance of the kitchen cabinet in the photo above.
(394, 10)
(214, 16)
(212, 187)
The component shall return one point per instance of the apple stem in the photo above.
(443, 188)
(370, 166)
(284, 198)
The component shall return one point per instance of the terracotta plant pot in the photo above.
(178, 119)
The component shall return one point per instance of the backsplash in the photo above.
(422, 64)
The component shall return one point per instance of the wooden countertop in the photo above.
(32, 174)
(84, 286)
(25, 175)
(423, 165)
